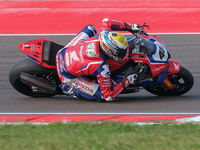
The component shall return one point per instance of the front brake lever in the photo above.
(142, 31)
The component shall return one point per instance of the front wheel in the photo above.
(31, 68)
(182, 83)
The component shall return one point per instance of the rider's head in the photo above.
(113, 45)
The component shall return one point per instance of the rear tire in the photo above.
(182, 82)
(29, 67)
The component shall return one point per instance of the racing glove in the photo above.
(131, 79)
(133, 28)
(131, 76)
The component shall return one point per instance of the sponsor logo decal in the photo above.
(81, 54)
(58, 66)
(77, 39)
(80, 85)
(106, 83)
(90, 50)
(138, 61)
(70, 56)
(62, 64)
(32, 47)
(167, 82)
(158, 69)
(67, 59)
(110, 43)
(176, 66)
(73, 56)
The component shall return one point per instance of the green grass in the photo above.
(102, 136)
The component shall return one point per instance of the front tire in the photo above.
(182, 82)
(29, 67)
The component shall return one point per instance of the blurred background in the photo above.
(62, 17)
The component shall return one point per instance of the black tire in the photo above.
(182, 82)
(29, 67)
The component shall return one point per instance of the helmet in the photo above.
(113, 45)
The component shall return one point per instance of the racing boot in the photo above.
(67, 90)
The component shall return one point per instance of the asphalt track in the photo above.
(184, 48)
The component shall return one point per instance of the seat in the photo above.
(49, 52)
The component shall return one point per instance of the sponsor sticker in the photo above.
(85, 86)
(32, 47)
(176, 66)
(168, 84)
(81, 54)
(90, 50)
(159, 68)
(67, 59)
(70, 56)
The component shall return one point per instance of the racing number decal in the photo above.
(161, 53)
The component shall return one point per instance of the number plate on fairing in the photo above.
(161, 53)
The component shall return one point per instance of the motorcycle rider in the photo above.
(87, 54)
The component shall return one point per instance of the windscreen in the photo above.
(143, 45)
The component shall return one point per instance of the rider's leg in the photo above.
(87, 32)
(81, 87)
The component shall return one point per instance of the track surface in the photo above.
(183, 48)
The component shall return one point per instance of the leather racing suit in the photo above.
(83, 56)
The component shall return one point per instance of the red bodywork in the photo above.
(34, 50)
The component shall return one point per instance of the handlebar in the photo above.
(142, 31)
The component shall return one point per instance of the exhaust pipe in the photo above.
(34, 81)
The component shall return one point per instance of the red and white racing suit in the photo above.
(83, 56)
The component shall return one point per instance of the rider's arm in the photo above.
(109, 90)
(114, 25)
(86, 33)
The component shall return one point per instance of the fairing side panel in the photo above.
(174, 67)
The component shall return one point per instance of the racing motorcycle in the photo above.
(37, 75)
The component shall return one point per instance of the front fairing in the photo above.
(151, 51)
(153, 45)
(157, 59)
(160, 53)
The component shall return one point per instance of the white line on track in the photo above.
(75, 34)
(75, 113)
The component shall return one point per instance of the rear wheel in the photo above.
(32, 68)
(182, 83)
